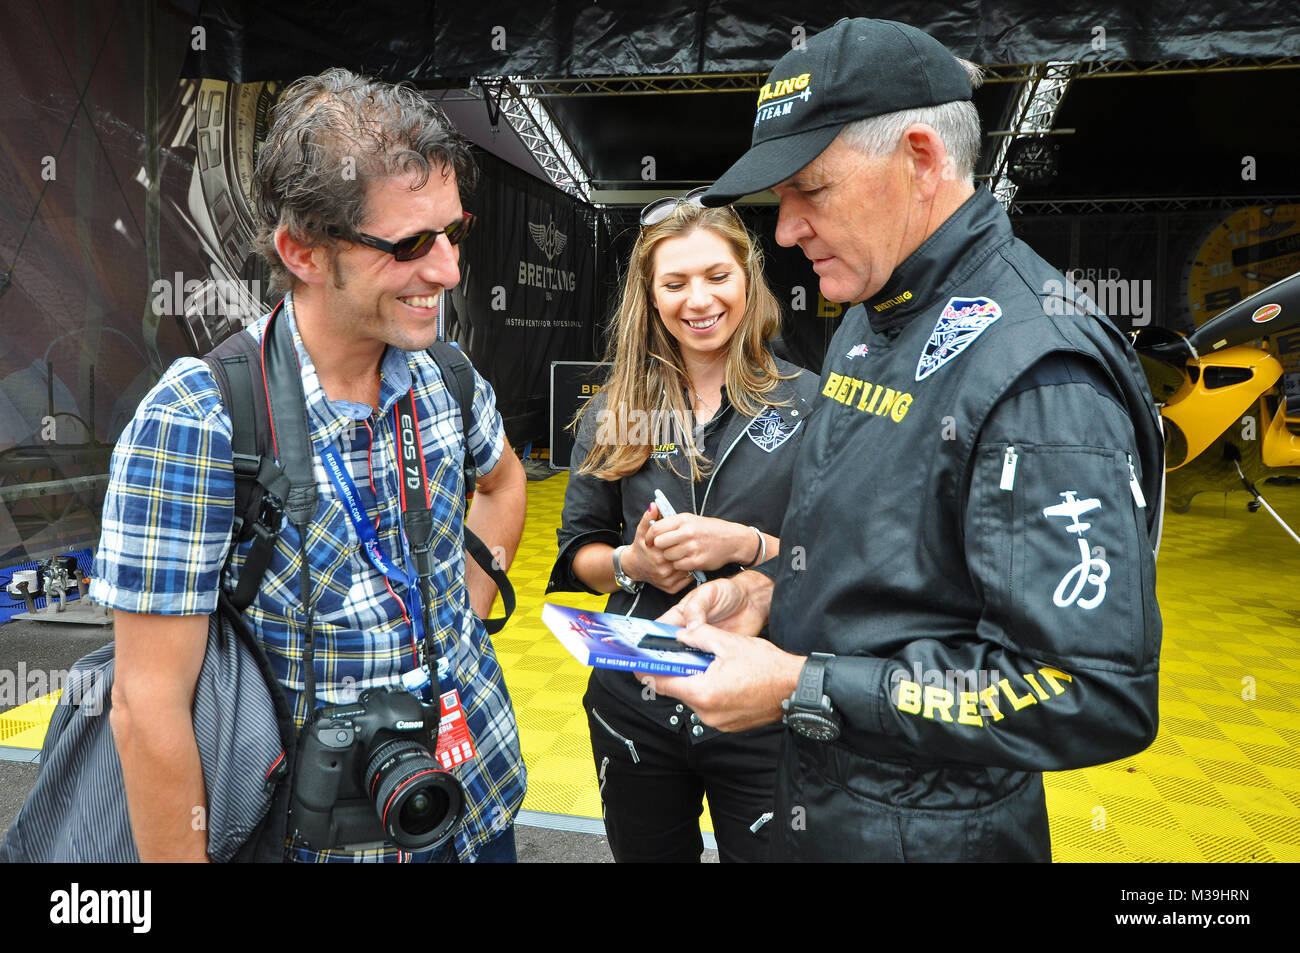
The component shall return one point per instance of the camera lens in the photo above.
(422, 811)
(417, 802)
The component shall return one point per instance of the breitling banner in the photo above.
(527, 291)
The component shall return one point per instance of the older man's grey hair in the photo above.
(331, 136)
(957, 123)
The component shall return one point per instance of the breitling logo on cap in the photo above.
(785, 94)
(783, 87)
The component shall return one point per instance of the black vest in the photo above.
(873, 546)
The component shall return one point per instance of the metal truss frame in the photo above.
(1032, 113)
(560, 86)
(551, 87)
(532, 122)
(1184, 203)
(521, 100)
(1102, 69)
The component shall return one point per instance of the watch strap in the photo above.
(810, 691)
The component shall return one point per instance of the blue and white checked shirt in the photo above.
(167, 523)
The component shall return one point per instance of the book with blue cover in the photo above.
(610, 640)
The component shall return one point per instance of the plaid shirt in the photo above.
(167, 523)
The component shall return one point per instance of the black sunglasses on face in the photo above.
(661, 208)
(420, 244)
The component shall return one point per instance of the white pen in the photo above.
(666, 510)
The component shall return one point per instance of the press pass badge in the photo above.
(454, 743)
(416, 681)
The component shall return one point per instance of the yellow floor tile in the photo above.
(1221, 783)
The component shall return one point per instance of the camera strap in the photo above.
(417, 524)
(417, 528)
(452, 742)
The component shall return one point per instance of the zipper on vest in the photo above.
(628, 742)
(1135, 486)
(718, 466)
(1009, 469)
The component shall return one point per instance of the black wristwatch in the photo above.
(625, 582)
(809, 711)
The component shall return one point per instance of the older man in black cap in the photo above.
(965, 595)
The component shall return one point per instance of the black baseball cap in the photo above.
(857, 69)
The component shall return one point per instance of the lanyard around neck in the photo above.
(417, 524)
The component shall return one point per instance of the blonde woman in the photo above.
(697, 407)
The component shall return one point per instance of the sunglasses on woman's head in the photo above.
(419, 244)
(660, 209)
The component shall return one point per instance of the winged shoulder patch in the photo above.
(769, 431)
(961, 322)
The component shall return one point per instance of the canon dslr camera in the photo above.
(366, 776)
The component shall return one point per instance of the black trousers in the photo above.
(652, 781)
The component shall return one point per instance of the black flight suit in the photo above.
(971, 534)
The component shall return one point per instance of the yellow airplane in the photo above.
(1219, 375)
(1216, 378)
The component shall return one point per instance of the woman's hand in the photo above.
(703, 542)
(644, 562)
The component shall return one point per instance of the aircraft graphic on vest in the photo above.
(769, 431)
(1090, 570)
(961, 322)
(1072, 509)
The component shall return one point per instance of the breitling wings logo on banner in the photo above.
(548, 238)
(769, 431)
(960, 323)
(552, 276)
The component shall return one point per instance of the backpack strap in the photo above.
(290, 432)
(261, 484)
(458, 377)
(262, 487)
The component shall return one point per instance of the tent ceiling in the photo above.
(1156, 112)
(1136, 136)
(1179, 135)
(469, 115)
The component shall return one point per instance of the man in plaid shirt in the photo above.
(358, 186)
